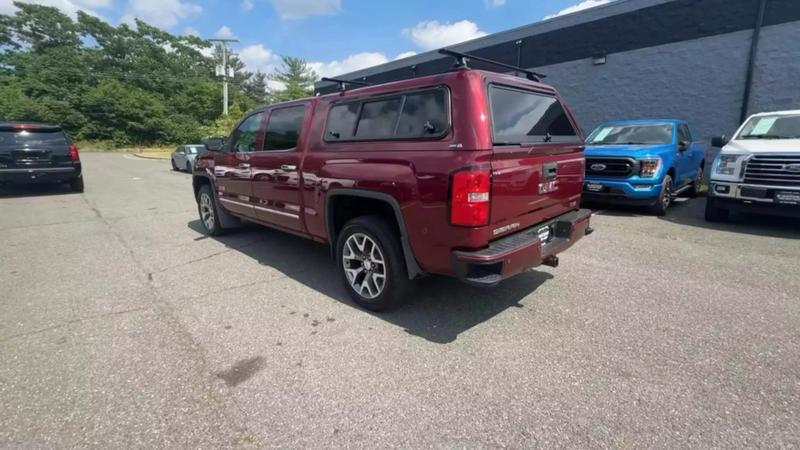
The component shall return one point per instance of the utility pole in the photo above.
(223, 43)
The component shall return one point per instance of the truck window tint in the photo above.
(423, 114)
(342, 121)
(246, 135)
(283, 128)
(525, 117)
(379, 119)
(683, 134)
(29, 137)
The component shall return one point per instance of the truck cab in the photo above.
(758, 171)
(643, 163)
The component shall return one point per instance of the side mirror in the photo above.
(719, 141)
(683, 145)
(214, 146)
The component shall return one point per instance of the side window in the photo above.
(404, 116)
(283, 128)
(378, 119)
(244, 138)
(683, 134)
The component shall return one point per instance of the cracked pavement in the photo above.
(122, 325)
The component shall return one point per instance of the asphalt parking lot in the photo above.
(121, 324)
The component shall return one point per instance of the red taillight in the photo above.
(469, 202)
(73, 152)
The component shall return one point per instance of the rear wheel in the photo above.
(76, 185)
(714, 213)
(371, 264)
(209, 214)
(664, 198)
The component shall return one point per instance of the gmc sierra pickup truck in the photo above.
(758, 171)
(468, 173)
(643, 162)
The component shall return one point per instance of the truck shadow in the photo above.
(438, 310)
(33, 190)
(691, 212)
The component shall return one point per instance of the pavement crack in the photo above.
(71, 322)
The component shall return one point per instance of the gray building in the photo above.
(705, 61)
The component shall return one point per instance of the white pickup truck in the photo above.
(758, 171)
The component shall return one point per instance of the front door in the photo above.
(684, 167)
(276, 171)
(232, 166)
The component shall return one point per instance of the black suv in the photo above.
(38, 153)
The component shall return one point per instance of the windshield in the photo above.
(772, 127)
(631, 135)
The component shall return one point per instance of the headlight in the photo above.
(649, 167)
(726, 165)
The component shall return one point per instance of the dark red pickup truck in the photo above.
(471, 174)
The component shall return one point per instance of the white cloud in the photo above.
(161, 13)
(69, 7)
(494, 3)
(405, 55)
(191, 31)
(257, 57)
(351, 63)
(431, 34)
(224, 33)
(297, 9)
(586, 4)
(247, 5)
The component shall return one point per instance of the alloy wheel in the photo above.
(207, 211)
(364, 265)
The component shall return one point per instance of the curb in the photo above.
(139, 155)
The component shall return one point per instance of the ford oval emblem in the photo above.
(598, 167)
(793, 168)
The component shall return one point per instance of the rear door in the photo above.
(276, 168)
(232, 165)
(33, 147)
(538, 163)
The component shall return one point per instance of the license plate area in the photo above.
(594, 187)
(787, 197)
(31, 156)
(545, 234)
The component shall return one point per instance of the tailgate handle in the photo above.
(550, 170)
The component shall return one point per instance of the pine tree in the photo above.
(296, 76)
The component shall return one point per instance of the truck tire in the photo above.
(664, 197)
(209, 212)
(694, 191)
(76, 185)
(714, 213)
(370, 261)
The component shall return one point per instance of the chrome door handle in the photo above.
(244, 166)
(289, 167)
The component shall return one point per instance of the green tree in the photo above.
(297, 78)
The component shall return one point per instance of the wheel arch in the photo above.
(331, 198)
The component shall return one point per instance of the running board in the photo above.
(681, 190)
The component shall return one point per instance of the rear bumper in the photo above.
(627, 192)
(40, 175)
(513, 254)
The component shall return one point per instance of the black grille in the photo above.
(775, 170)
(611, 167)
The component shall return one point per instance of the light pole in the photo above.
(224, 44)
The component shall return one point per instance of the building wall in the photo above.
(701, 81)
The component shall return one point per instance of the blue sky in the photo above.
(336, 36)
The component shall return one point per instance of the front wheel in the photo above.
(209, 214)
(714, 213)
(664, 197)
(694, 191)
(370, 261)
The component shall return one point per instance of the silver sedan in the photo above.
(183, 157)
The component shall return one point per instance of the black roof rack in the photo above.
(462, 58)
(343, 83)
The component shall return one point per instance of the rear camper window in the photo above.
(523, 117)
(415, 115)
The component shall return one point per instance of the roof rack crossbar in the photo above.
(461, 61)
(343, 83)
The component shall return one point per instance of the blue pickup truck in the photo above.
(643, 162)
